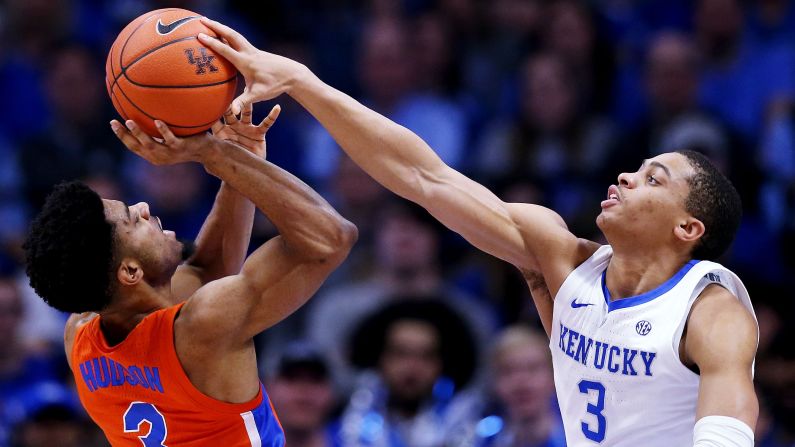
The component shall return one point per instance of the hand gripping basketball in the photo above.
(267, 75)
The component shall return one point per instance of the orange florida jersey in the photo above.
(138, 393)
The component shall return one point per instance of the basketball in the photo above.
(157, 69)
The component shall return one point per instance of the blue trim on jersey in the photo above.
(648, 296)
(270, 432)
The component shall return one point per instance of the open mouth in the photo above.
(159, 223)
(613, 197)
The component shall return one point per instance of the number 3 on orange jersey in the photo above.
(138, 413)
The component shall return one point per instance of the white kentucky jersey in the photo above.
(618, 375)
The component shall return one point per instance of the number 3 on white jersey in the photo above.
(136, 414)
(598, 435)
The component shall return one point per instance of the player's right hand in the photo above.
(267, 75)
(168, 151)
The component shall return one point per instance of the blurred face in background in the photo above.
(405, 244)
(411, 362)
(304, 399)
(385, 63)
(569, 33)
(718, 21)
(53, 426)
(171, 189)
(10, 312)
(523, 379)
(548, 103)
(671, 75)
(75, 87)
(432, 47)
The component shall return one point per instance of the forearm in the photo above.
(222, 243)
(391, 154)
(306, 222)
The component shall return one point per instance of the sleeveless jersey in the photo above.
(618, 375)
(139, 395)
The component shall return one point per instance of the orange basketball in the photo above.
(157, 69)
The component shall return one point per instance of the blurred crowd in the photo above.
(418, 340)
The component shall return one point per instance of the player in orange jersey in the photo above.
(162, 352)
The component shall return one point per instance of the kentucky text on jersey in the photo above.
(102, 372)
(616, 359)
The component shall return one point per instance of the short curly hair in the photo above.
(69, 250)
(714, 201)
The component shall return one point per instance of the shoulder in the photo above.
(550, 234)
(73, 323)
(720, 329)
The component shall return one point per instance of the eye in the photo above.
(652, 180)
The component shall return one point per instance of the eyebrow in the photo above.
(658, 165)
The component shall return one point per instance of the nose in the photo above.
(143, 209)
(626, 180)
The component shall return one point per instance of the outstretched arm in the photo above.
(721, 339)
(528, 236)
(222, 243)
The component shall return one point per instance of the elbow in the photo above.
(339, 241)
(346, 236)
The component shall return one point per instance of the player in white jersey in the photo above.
(650, 347)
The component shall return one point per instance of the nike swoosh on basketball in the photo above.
(575, 304)
(165, 29)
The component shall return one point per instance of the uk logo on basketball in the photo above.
(203, 63)
(643, 327)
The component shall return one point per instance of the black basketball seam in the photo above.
(153, 118)
(121, 106)
(121, 51)
(124, 69)
(180, 86)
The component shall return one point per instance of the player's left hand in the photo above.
(242, 132)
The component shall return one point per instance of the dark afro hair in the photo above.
(69, 250)
(457, 347)
(714, 201)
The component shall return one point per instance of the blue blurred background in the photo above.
(542, 101)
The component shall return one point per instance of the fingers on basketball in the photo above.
(235, 39)
(168, 136)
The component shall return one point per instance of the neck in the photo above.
(632, 271)
(305, 438)
(129, 307)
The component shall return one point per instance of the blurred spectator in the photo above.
(404, 266)
(13, 207)
(570, 33)
(49, 414)
(301, 392)
(179, 194)
(523, 411)
(419, 354)
(674, 119)
(389, 86)
(551, 141)
(20, 367)
(740, 77)
(31, 30)
(78, 141)
(772, 21)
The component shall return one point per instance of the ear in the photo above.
(129, 272)
(689, 230)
